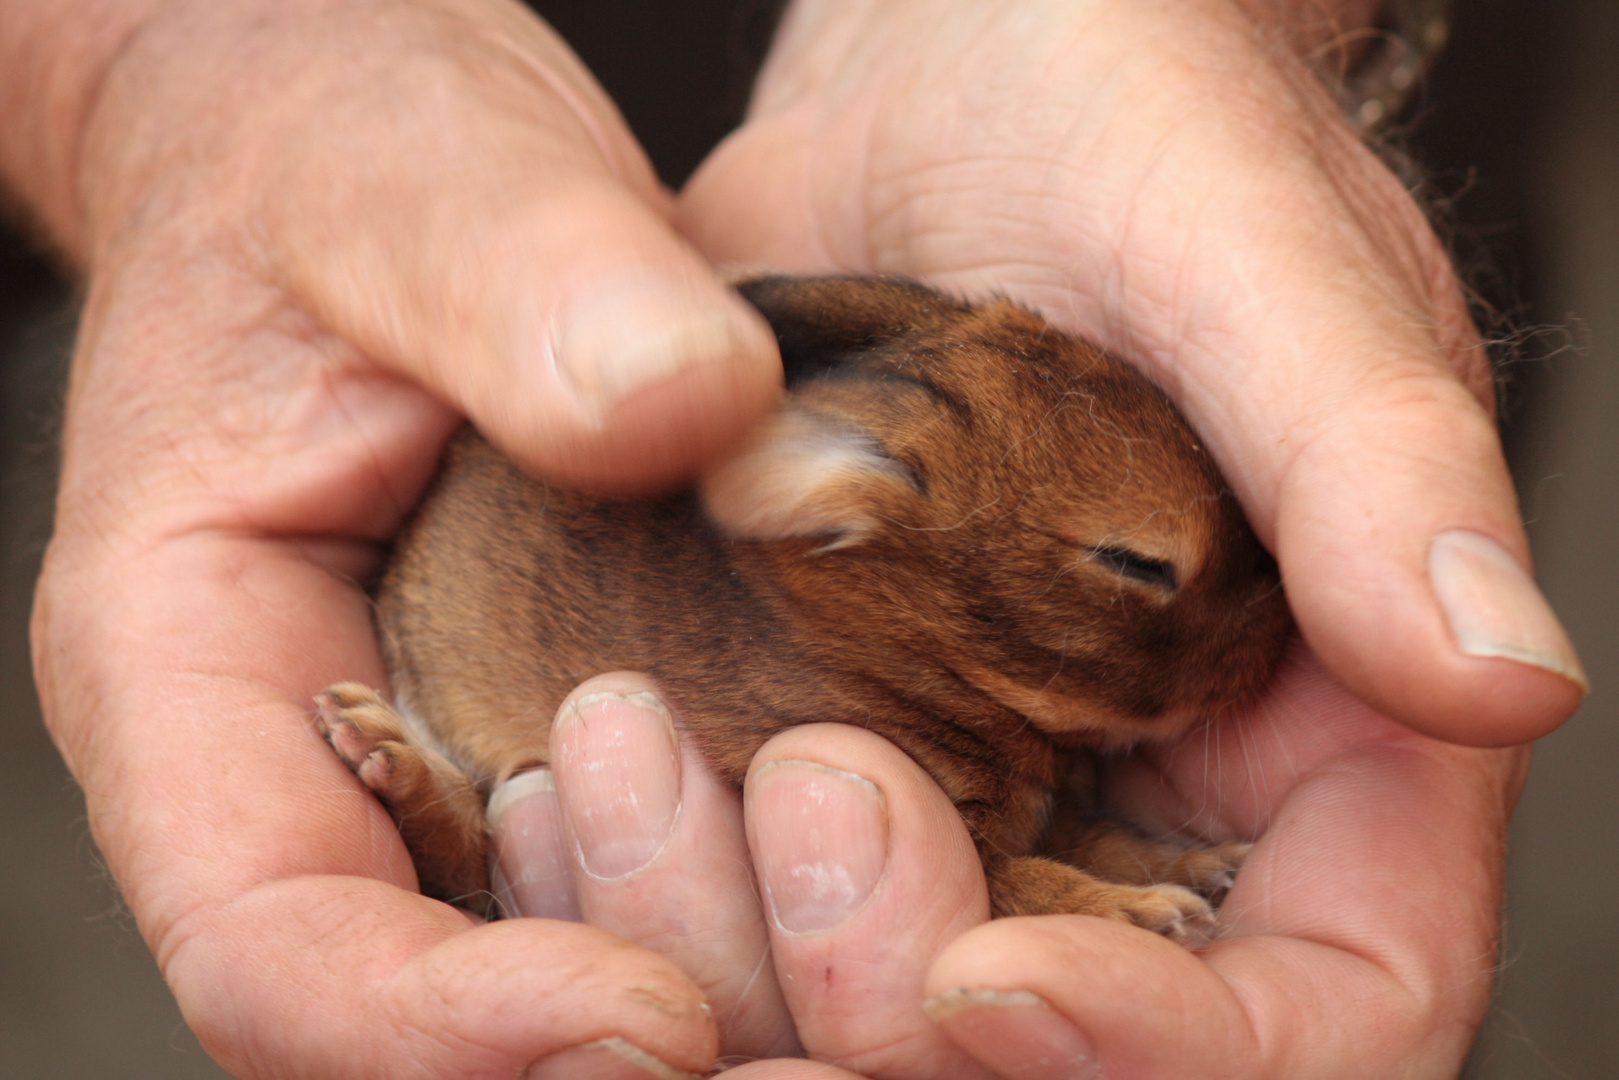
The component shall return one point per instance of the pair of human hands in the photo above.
(317, 234)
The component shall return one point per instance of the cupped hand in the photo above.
(1168, 180)
(1358, 940)
(314, 236)
(296, 217)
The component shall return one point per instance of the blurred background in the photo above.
(1519, 132)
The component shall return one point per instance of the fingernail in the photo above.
(1016, 1033)
(533, 870)
(605, 1059)
(1495, 609)
(617, 766)
(620, 338)
(821, 835)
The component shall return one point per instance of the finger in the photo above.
(1264, 266)
(789, 1070)
(532, 875)
(1361, 941)
(431, 992)
(467, 207)
(867, 871)
(659, 854)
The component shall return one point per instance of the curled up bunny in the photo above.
(996, 546)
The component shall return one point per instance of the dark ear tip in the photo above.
(782, 298)
(771, 292)
(869, 293)
(755, 286)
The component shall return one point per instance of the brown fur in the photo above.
(982, 539)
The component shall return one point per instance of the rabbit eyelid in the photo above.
(1157, 573)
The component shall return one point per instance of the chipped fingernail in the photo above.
(621, 338)
(1494, 607)
(616, 759)
(1015, 1032)
(532, 871)
(820, 836)
(605, 1059)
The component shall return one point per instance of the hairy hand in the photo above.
(1167, 179)
(314, 234)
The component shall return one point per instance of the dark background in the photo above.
(1519, 132)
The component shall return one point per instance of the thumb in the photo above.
(1321, 344)
(1365, 448)
(489, 229)
(1398, 535)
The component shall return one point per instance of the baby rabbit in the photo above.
(994, 545)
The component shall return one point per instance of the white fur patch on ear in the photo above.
(801, 474)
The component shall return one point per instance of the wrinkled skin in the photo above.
(315, 234)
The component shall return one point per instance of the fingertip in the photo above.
(1004, 955)
(658, 854)
(1016, 1033)
(1506, 703)
(787, 1069)
(1077, 996)
(1407, 569)
(820, 840)
(867, 871)
(532, 871)
(1471, 654)
(917, 811)
(635, 330)
(662, 374)
(605, 1059)
(1496, 612)
(664, 378)
(577, 985)
(617, 760)
(370, 979)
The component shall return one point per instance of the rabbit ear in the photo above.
(821, 323)
(803, 474)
